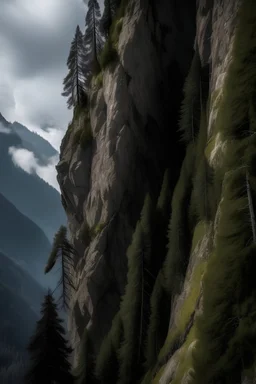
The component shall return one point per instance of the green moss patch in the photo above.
(116, 30)
(178, 248)
(199, 233)
(109, 53)
(190, 302)
(88, 233)
(97, 229)
(186, 311)
(185, 361)
(226, 329)
(83, 136)
(210, 147)
(159, 375)
(99, 79)
(85, 234)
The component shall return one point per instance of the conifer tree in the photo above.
(110, 7)
(159, 322)
(75, 81)
(191, 106)
(135, 306)
(179, 235)
(92, 38)
(107, 363)
(84, 372)
(62, 248)
(159, 317)
(162, 215)
(49, 352)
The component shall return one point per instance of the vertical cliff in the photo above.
(133, 118)
(116, 151)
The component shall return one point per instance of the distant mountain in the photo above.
(18, 319)
(34, 142)
(21, 282)
(20, 299)
(30, 194)
(31, 141)
(31, 212)
(22, 240)
(17, 325)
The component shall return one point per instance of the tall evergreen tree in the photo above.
(135, 306)
(92, 38)
(191, 105)
(107, 363)
(84, 372)
(75, 81)
(62, 248)
(159, 317)
(162, 215)
(159, 322)
(110, 7)
(49, 352)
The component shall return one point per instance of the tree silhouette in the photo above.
(62, 248)
(107, 362)
(48, 349)
(75, 81)
(92, 39)
(135, 305)
(84, 372)
(110, 7)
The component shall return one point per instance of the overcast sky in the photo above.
(35, 38)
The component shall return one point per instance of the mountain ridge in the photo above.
(35, 143)
(29, 193)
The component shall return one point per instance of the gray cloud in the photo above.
(29, 163)
(36, 35)
(35, 38)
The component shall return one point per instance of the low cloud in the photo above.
(29, 163)
(4, 129)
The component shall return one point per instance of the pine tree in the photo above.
(62, 248)
(84, 372)
(135, 306)
(191, 108)
(110, 7)
(179, 235)
(159, 322)
(92, 39)
(75, 81)
(107, 363)
(163, 212)
(159, 317)
(48, 349)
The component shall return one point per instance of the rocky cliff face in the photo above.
(134, 117)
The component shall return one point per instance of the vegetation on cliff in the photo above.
(190, 294)
(63, 249)
(75, 81)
